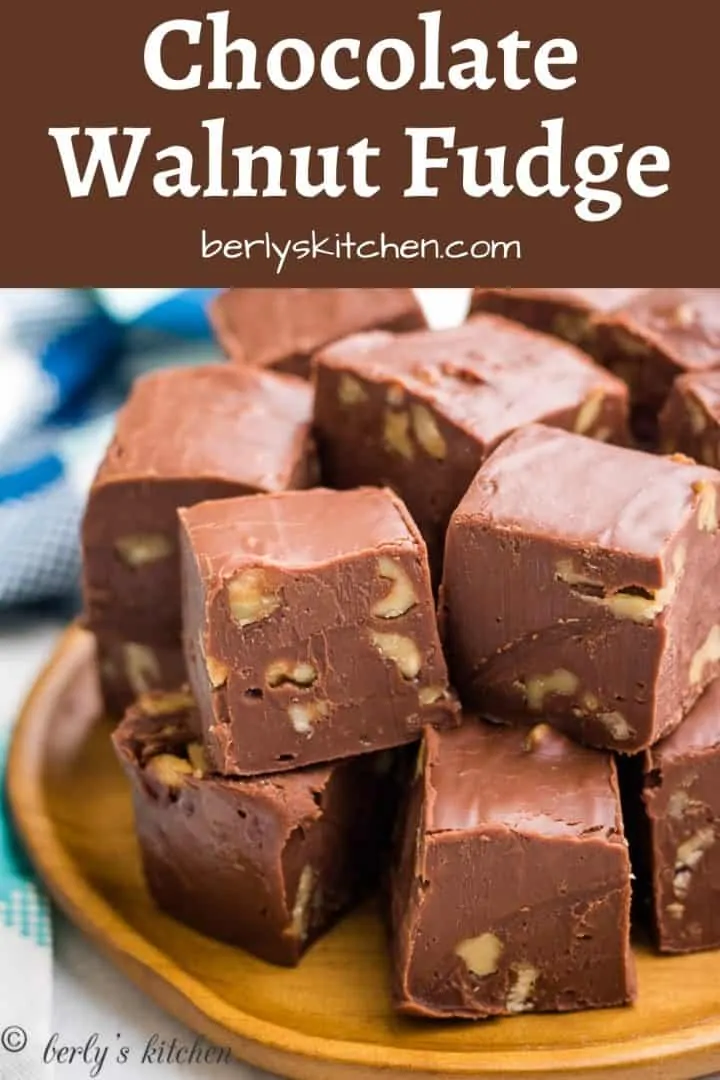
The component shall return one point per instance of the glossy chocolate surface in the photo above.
(267, 864)
(420, 412)
(282, 328)
(574, 587)
(309, 626)
(185, 435)
(512, 892)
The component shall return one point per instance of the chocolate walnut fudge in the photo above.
(655, 337)
(128, 669)
(421, 412)
(185, 435)
(269, 863)
(575, 588)
(282, 328)
(690, 419)
(309, 628)
(567, 313)
(512, 892)
(672, 798)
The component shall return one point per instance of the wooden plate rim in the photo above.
(145, 964)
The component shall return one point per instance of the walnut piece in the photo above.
(196, 756)
(142, 669)
(538, 687)
(430, 695)
(427, 432)
(639, 606)
(400, 650)
(170, 770)
(351, 391)
(570, 326)
(303, 715)
(536, 736)
(401, 596)
(300, 921)
(589, 411)
(687, 857)
(298, 673)
(707, 507)
(708, 653)
(518, 1000)
(252, 597)
(165, 703)
(139, 549)
(217, 672)
(480, 954)
(617, 725)
(396, 434)
(696, 414)
(682, 316)
(680, 805)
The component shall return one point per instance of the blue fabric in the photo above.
(67, 358)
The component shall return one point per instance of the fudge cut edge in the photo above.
(494, 960)
(611, 587)
(251, 599)
(321, 835)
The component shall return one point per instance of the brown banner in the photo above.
(308, 142)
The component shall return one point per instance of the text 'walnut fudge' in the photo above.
(269, 863)
(690, 419)
(672, 797)
(659, 335)
(420, 412)
(575, 587)
(513, 889)
(566, 313)
(282, 328)
(184, 436)
(309, 626)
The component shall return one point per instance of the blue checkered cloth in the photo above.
(67, 358)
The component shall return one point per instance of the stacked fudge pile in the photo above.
(267, 625)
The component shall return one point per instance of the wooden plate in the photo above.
(331, 1016)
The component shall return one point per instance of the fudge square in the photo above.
(690, 419)
(185, 435)
(269, 863)
(282, 328)
(512, 890)
(128, 669)
(657, 336)
(309, 626)
(672, 797)
(567, 313)
(576, 587)
(420, 412)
